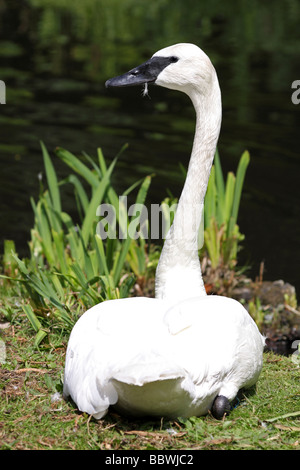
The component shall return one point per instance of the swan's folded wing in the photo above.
(104, 344)
(81, 379)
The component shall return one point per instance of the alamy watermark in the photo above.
(296, 354)
(2, 92)
(2, 352)
(136, 221)
(296, 94)
(295, 97)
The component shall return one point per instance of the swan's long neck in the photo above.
(178, 275)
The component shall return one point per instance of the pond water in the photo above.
(55, 57)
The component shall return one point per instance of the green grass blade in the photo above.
(9, 262)
(93, 164)
(21, 265)
(79, 190)
(120, 260)
(45, 233)
(142, 194)
(229, 194)
(86, 259)
(102, 163)
(51, 180)
(126, 286)
(89, 223)
(240, 176)
(220, 188)
(55, 278)
(59, 243)
(79, 167)
(125, 146)
(42, 213)
(101, 256)
(41, 334)
(219, 173)
(84, 283)
(35, 323)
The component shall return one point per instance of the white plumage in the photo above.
(176, 354)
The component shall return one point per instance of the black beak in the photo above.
(144, 73)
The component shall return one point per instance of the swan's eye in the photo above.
(174, 59)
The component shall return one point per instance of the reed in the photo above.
(222, 236)
(71, 267)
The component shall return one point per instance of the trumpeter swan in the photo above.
(183, 353)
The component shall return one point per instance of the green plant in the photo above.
(71, 267)
(256, 311)
(222, 201)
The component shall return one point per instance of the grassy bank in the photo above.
(33, 414)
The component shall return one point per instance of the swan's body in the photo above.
(177, 354)
(152, 359)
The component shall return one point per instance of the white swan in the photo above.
(183, 353)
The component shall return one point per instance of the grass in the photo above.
(34, 416)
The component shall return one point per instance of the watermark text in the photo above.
(2, 92)
(296, 94)
(139, 222)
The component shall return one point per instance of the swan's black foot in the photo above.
(220, 407)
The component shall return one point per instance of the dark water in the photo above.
(55, 57)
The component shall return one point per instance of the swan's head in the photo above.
(183, 67)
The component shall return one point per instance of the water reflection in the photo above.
(55, 58)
